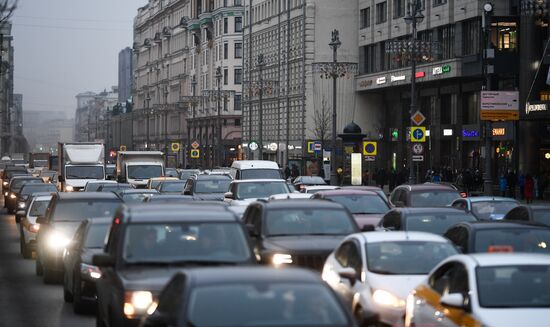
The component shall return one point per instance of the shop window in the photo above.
(504, 36)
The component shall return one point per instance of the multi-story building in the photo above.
(6, 87)
(93, 116)
(178, 46)
(449, 80)
(292, 35)
(125, 71)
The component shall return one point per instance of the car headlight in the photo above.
(21, 205)
(139, 303)
(5, 183)
(13, 196)
(69, 188)
(387, 299)
(34, 228)
(90, 271)
(279, 259)
(58, 241)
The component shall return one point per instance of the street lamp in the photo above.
(166, 122)
(147, 100)
(487, 174)
(261, 65)
(219, 154)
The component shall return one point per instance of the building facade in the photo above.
(125, 71)
(6, 87)
(292, 36)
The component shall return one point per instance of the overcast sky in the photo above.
(64, 47)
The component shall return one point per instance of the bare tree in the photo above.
(322, 122)
(7, 7)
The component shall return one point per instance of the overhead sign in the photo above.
(253, 145)
(418, 118)
(499, 105)
(175, 147)
(369, 148)
(195, 145)
(418, 134)
(122, 148)
(418, 148)
(195, 153)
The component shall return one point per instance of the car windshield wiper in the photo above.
(383, 272)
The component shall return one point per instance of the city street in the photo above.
(26, 300)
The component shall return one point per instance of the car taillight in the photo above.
(463, 194)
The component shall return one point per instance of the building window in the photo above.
(381, 12)
(471, 31)
(238, 76)
(237, 122)
(238, 24)
(225, 25)
(446, 37)
(238, 50)
(504, 36)
(237, 104)
(439, 2)
(398, 8)
(365, 17)
(238, 3)
(225, 76)
(225, 50)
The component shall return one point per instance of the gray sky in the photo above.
(64, 47)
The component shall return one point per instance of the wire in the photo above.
(74, 28)
(74, 19)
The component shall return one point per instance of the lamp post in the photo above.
(148, 100)
(219, 151)
(166, 124)
(487, 171)
(261, 65)
(191, 101)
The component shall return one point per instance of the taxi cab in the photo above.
(486, 289)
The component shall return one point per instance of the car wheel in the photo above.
(67, 295)
(27, 251)
(38, 267)
(79, 306)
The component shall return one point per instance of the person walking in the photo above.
(521, 182)
(529, 189)
(511, 178)
(503, 184)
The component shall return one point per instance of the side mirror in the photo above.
(368, 228)
(229, 195)
(20, 213)
(454, 300)
(251, 230)
(41, 220)
(61, 179)
(349, 274)
(103, 260)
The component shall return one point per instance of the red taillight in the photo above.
(463, 194)
(500, 248)
(117, 221)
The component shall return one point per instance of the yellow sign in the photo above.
(123, 148)
(369, 148)
(195, 154)
(175, 147)
(418, 134)
(500, 131)
(310, 147)
(499, 115)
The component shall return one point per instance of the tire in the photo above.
(38, 267)
(67, 295)
(27, 251)
(79, 306)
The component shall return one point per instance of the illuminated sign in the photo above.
(447, 132)
(470, 133)
(441, 70)
(397, 78)
(500, 131)
(535, 107)
(420, 74)
(381, 80)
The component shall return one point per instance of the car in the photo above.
(499, 236)
(93, 186)
(538, 213)
(423, 195)
(14, 189)
(152, 183)
(28, 228)
(171, 187)
(486, 207)
(8, 173)
(28, 189)
(171, 198)
(483, 289)
(431, 220)
(367, 207)
(80, 274)
(148, 243)
(255, 169)
(297, 232)
(171, 172)
(207, 187)
(248, 296)
(115, 187)
(462, 191)
(244, 192)
(376, 189)
(374, 272)
(312, 189)
(302, 181)
(290, 196)
(184, 174)
(135, 195)
(64, 214)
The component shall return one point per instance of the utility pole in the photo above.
(487, 174)
(219, 149)
(166, 124)
(261, 65)
(334, 44)
(148, 100)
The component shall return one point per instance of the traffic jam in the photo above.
(135, 243)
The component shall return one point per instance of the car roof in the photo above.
(37, 185)
(428, 187)
(25, 177)
(505, 259)
(177, 212)
(302, 204)
(490, 198)
(102, 182)
(344, 192)
(42, 197)
(502, 224)
(362, 188)
(250, 274)
(374, 237)
(429, 210)
(165, 178)
(254, 164)
(137, 191)
(212, 177)
(241, 181)
(87, 196)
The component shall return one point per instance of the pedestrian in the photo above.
(521, 182)
(467, 180)
(393, 179)
(436, 178)
(503, 184)
(511, 178)
(381, 178)
(294, 172)
(529, 189)
(287, 172)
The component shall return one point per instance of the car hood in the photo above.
(532, 317)
(88, 253)
(363, 219)
(208, 196)
(147, 278)
(304, 243)
(398, 285)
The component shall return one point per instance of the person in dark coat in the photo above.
(393, 179)
(529, 189)
(287, 172)
(381, 178)
(511, 179)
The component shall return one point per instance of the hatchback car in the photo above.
(483, 289)
(423, 195)
(536, 213)
(374, 272)
(207, 187)
(486, 207)
(244, 192)
(171, 187)
(252, 296)
(28, 228)
(29, 189)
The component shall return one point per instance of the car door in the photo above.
(348, 255)
(72, 255)
(461, 205)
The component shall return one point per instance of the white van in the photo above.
(255, 169)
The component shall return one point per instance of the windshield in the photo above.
(492, 210)
(30, 189)
(172, 187)
(96, 235)
(110, 171)
(264, 304)
(38, 208)
(513, 240)
(17, 184)
(261, 174)
(207, 242)
(542, 216)
(76, 210)
(362, 204)
(521, 286)
(184, 175)
(433, 198)
(144, 171)
(301, 221)
(136, 197)
(437, 223)
(406, 257)
(310, 180)
(40, 163)
(212, 185)
(85, 172)
(171, 172)
(256, 190)
(93, 187)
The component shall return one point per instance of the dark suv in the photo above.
(423, 195)
(148, 243)
(207, 187)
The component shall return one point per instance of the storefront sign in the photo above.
(535, 107)
(470, 133)
(499, 131)
(420, 74)
(356, 175)
(441, 70)
(381, 80)
(397, 78)
(499, 105)
(365, 83)
(447, 132)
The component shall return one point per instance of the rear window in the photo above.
(436, 223)
(433, 198)
(513, 240)
(30, 189)
(38, 208)
(82, 209)
(96, 235)
(172, 186)
(261, 174)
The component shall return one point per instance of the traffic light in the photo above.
(394, 132)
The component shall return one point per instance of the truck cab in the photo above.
(137, 167)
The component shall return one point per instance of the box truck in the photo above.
(80, 163)
(136, 167)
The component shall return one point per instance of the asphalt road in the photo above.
(24, 299)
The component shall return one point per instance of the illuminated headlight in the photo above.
(34, 228)
(6, 194)
(69, 188)
(139, 303)
(58, 241)
(387, 299)
(21, 205)
(13, 196)
(280, 259)
(5, 183)
(90, 271)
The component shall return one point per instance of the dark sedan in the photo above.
(431, 220)
(499, 236)
(297, 232)
(238, 296)
(423, 195)
(80, 274)
(29, 189)
(207, 187)
(301, 182)
(14, 189)
(535, 213)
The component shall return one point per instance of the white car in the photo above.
(243, 192)
(93, 186)
(373, 272)
(311, 189)
(28, 227)
(485, 289)
(290, 196)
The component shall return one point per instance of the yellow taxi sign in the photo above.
(175, 147)
(369, 148)
(195, 153)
